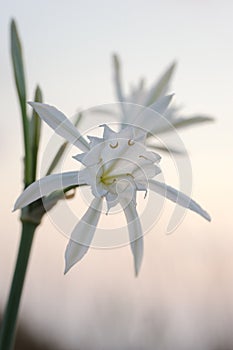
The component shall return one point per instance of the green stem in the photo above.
(7, 332)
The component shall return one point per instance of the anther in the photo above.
(114, 146)
(131, 142)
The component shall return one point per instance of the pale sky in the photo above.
(67, 50)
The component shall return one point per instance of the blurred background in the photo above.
(182, 298)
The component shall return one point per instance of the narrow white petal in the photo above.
(161, 86)
(135, 233)
(48, 184)
(196, 119)
(117, 78)
(60, 124)
(177, 197)
(112, 200)
(94, 141)
(118, 85)
(108, 133)
(82, 234)
(92, 157)
(162, 104)
(152, 118)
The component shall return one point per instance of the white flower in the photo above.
(116, 166)
(154, 97)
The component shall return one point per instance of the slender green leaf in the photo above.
(60, 153)
(35, 129)
(57, 158)
(17, 61)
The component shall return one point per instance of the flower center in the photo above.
(107, 179)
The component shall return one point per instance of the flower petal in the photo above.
(152, 118)
(162, 104)
(118, 85)
(166, 149)
(93, 156)
(111, 200)
(60, 124)
(160, 88)
(135, 233)
(94, 141)
(117, 78)
(82, 234)
(196, 119)
(48, 184)
(177, 197)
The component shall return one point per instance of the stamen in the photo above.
(108, 180)
(70, 194)
(131, 142)
(114, 146)
(143, 157)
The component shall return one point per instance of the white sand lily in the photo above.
(116, 166)
(155, 97)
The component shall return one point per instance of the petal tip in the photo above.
(174, 63)
(137, 266)
(16, 206)
(205, 215)
(35, 104)
(67, 267)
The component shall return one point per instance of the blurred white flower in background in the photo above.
(156, 99)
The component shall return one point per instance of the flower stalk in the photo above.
(7, 332)
(30, 215)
